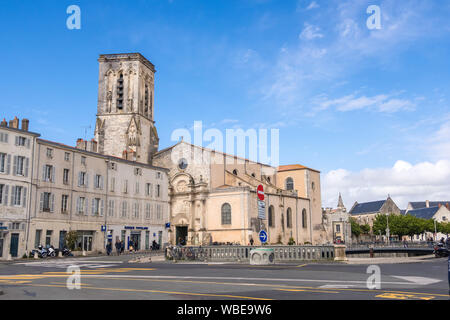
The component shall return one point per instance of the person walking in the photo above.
(251, 241)
(122, 247)
(108, 248)
(118, 247)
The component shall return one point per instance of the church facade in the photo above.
(213, 201)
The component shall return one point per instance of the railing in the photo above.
(392, 245)
(242, 253)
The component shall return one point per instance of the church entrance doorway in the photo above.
(181, 235)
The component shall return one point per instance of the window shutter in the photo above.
(41, 205)
(79, 179)
(24, 197)
(52, 202)
(101, 207)
(93, 207)
(15, 166)
(86, 183)
(53, 174)
(86, 201)
(13, 195)
(78, 205)
(5, 199)
(8, 164)
(26, 166)
(43, 173)
(17, 140)
(6, 137)
(28, 143)
(101, 182)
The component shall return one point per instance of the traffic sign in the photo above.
(260, 192)
(261, 209)
(263, 236)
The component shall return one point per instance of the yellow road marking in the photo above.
(302, 265)
(401, 296)
(158, 291)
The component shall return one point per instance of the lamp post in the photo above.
(435, 230)
(387, 228)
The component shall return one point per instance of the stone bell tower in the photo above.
(126, 90)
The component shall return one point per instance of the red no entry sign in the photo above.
(260, 192)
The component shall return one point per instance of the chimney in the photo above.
(427, 203)
(14, 123)
(93, 146)
(25, 124)
(439, 205)
(81, 144)
(447, 206)
(3, 123)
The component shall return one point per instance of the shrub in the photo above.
(291, 241)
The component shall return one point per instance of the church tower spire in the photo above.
(340, 202)
(125, 112)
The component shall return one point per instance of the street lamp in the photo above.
(387, 229)
(435, 231)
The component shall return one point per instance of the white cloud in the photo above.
(312, 5)
(381, 103)
(404, 182)
(310, 32)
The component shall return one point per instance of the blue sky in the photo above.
(369, 108)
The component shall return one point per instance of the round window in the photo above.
(182, 164)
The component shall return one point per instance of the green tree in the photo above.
(71, 239)
(356, 228)
(379, 225)
(365, 229)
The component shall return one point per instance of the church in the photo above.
(214, 201)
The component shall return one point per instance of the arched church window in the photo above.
(289, 184)
(120, 92)
(289, 218)
(304, 222)
(226, 214)
(146, 99)
(271, 217)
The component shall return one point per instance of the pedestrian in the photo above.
(118, 247)
(122, 247)
(108, 248)
(251, 241)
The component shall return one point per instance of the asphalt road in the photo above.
(111, 278)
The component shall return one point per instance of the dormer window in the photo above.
(120, 92)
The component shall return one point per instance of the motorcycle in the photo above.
(440, 250)
(41, 252)
(66, 252)
(51, 252)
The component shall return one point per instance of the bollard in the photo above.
(60, 254)
(9, 258)
(84, 253)
(36, 256)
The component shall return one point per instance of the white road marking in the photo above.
(82, 263)
(419, 280)
(251, 279)
(337, 286)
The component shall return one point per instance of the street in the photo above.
(110, 278)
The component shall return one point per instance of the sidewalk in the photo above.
(390, 260)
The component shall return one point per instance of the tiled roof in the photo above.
(367, 207)
(293, 167)
(423, 204)
(424, 213)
